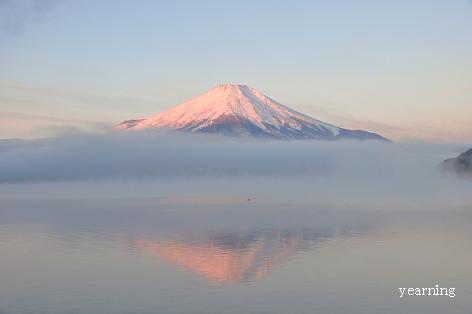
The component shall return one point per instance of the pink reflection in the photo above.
(222, 264)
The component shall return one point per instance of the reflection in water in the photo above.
(65, 256)
(217, 264)
(249, 242)
(232, 257)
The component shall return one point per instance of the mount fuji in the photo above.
(243, 111)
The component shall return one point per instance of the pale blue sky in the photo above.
(400, 68)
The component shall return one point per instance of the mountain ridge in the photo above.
(243, 111)
(461, 165)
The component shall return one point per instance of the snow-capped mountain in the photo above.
(240, 110)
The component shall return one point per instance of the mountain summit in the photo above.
(240, 110)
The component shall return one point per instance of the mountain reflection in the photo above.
(239, 257)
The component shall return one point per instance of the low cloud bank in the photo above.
(186, 169)
(150, 155)
(135, 155)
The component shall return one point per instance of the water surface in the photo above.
(151, 255)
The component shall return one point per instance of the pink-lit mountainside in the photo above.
(242, 111)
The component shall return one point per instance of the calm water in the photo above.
(146, 255)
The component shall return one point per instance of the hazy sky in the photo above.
(399, 68)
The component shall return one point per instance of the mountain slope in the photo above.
(240, 110)
(461, 164)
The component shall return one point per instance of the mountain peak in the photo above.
(233, 90)
(241, 110)
(230, 86)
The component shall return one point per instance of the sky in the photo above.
(402, 69)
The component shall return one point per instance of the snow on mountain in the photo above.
(240, 110)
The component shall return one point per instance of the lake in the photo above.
(117, 253)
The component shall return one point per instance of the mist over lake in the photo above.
(181, 224)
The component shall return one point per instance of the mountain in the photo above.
(240, 110)
(461, 164)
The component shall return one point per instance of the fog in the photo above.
(174, 168)
(155, 155)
